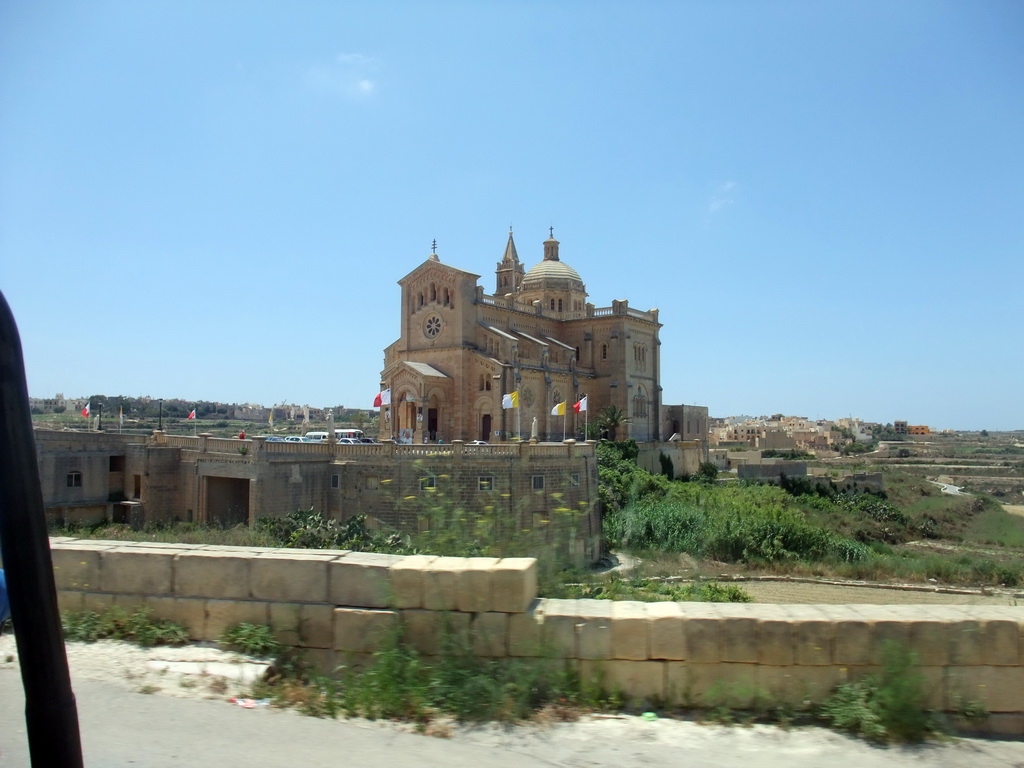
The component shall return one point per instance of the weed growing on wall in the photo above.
(401, 684)
(115, 624)
(884, 707)
(251, 639)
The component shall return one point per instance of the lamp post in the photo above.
(161, 417)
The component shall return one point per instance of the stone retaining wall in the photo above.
(338, 605)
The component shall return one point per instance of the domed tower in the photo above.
(557, 286)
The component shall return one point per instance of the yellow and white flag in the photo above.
(511, 400)
(558, 410)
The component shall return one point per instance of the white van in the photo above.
(316, 437)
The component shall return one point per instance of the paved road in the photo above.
(121, 728)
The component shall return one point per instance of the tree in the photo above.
(609, 419)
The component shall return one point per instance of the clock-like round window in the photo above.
(432, 327)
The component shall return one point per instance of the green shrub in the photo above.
(884, 707)
(251, 639)
(115, 624)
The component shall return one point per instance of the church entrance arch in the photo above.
(485, 427)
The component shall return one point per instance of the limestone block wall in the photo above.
(338, 605)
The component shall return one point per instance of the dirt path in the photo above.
(831, 594)
(1014, 509)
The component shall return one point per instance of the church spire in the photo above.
(510, 250)
(509, 274)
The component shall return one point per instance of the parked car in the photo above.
(478, 442)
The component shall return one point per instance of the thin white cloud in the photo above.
(722, 197)
(349, 76)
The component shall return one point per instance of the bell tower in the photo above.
(509, 274)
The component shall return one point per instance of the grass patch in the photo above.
(115, 624)
(251, 639)
(615, 587)
(400, 684)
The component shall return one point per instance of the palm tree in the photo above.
(610, 418)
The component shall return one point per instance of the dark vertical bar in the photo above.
(50, 712)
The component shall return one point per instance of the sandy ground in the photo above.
(1014, 509)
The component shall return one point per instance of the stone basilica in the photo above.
(461, 350)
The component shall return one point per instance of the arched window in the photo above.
(421, 298)
(640, 402)
(552, 305)
(559, 305)
(481, 382)
(447, 300)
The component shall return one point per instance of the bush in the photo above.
(885, 707)
(251, 639)
(115, 624)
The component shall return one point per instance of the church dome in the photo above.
(551, 272)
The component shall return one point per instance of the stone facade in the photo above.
(95, 476)
(461, 350)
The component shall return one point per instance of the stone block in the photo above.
(323, 660)
(433, 632)
(1001, 641)
(525, 631)
(711, 685)
(889, 632)
(76, 567)
(559, 628)
(930, 642)
(69, 600)
(285, 623)
(129, 603)
(136, 570)
(287, 578)
(853, 641)
(475, 584)
(363, 630)
(316, 626)
(796, 687)
(629, 630)
(361, 580)
(490, 633)
(999, 688)
(513, 584)
(191, 613)
(223, 614)
(407, 581)
(813, 639)
(216, 575)
(702, 627)
(97, 602)
(966, 643)
(775, 640)
(441, 583)
(641, 684)
(594, 629)
(667, 640)
(738, 637)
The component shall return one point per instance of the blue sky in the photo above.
(825, 200)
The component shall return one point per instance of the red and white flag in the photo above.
(85, 411)
(581, 405)
(192, 416)
(382, 398)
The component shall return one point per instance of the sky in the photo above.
(825, 201)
